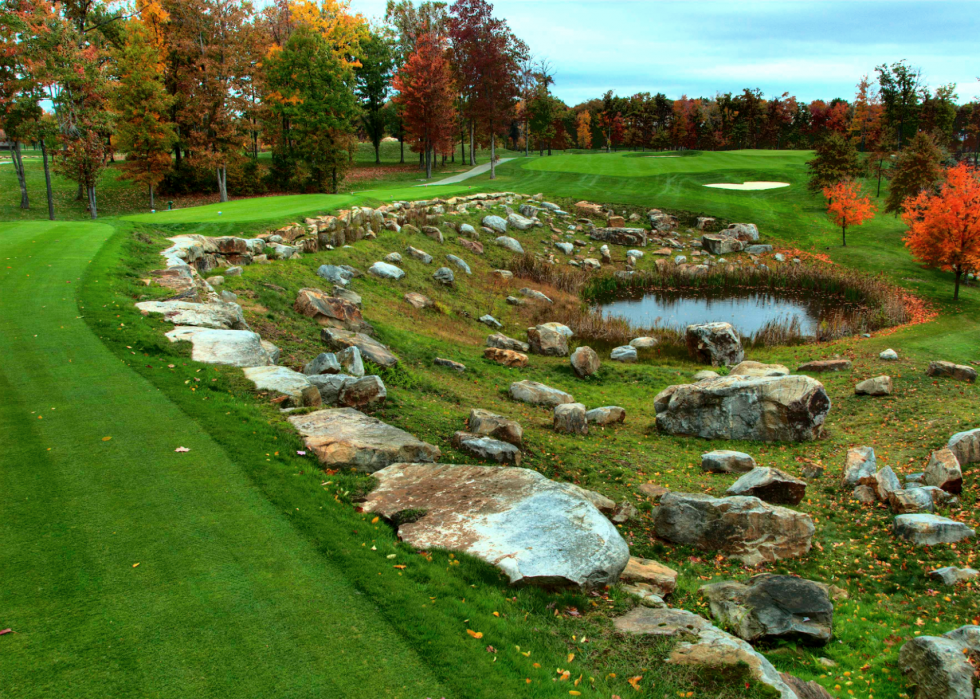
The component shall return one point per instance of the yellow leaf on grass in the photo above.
(106, 439)
(375, 520)
(401, 567)
(571, 657)
(496, 613)
(135, 564)
(474, 634)
(575, 692)
(635, 682)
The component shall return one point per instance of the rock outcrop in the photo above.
(538, 531)
(769, 409)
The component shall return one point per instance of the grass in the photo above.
(890, 599)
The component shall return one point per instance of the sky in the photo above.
(813, 50)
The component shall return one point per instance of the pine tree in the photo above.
(143, 130)
(373, 84)
(918, 168)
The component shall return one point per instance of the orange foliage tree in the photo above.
(847, 207)
(426, 94)
(944, 228)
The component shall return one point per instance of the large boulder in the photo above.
(944, 471)
(821, 366)
(965, 446)
(716, 344)
(538, 394)
(329, 310)
(383, 270)
(718, 244)
(878, 386)
(773, 607)
(942, 667)
(364, 393)
(508, 243)
(929, 530)
(337, 340)
(495, 223)
(538, 531)
(519, 222)
(485, 423)
(347, 438)
(960, 372)
(323, 363)
(547, 341)
(585, 361)
(745, 528)
(240, 348)
(703, 645)
(606, 415)
(910, 501)
(768, 409)
(569, 418)
(771, 485)
(220, 316)
(748, 232)
(660, 578)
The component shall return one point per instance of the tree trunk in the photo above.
(92, 205)
(78, 194)
(47, 180)
(956, 288)
(880, 163)
(18, 161)
(335, 180)
(223, 183)
(401, 150)
(152, 204)
(493, 156)
(843, 235)
(428, 162)
(462, 145)
(472, 140)
(377, 153)
(527, 139)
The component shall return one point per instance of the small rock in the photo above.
(569, 418)
(538, 394)
(714, 343)
(323, 363)
(653, 491)
(491, 321)
(750, 368)
(859, 467)
(706, 375)
(944, 471)
(485, 423)
(584, 361)
(770, 485)
(825, 365)
(607, 415)
(726, 461)
(878, 386)
(509, 244)
(449, 364)
(420, 255)
(536, 295)
(625, 354)
(864, 494)
(965, 446)
(508, 358)
(459, 262)
(951, 575)
(960, 372)
(547, 341)
(487, 448)
(643, 343)
(661, 579)
(393, 258)
(889, 355)
(365, 393)
(351, 361)
(444, 276)
(508, 343)
(886, 483)
(384, 270)
(417, 300)
(910, 501)
(216, 281)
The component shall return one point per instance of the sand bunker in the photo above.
(661, 156)
(750, 186)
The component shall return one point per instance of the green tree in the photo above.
(899, 87)
(918, 168)
(311, 90)
(143, 130)
(836, 161)
(374, 83)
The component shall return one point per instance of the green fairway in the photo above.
(131, 570)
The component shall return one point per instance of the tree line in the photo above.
(193, 91)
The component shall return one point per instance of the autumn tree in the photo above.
(143, 130)
(835, 160)
(918, 168)
(310, 89)
(847, 207)
(944, 227)
(583, 129)
(426, 94)
(373, 84)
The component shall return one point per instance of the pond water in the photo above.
(748, 312)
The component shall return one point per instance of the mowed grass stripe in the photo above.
(227, 599)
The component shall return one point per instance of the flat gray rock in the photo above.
(569, 418)
(485, 423)
(965, 446)
(951, 575)
(509, 244)
(929, 530)
(220, 316)
(878, 386)
(323, 363)
(626, 354)
(287, 382)
(337, 340)
(585, 361)
(750, 368)
(860, 467)
(384, 270)
(938, 667)
(495, 223)
(459, 262)
(241, 348)
(347, 438)
(501, 341)
(770, 485)
(538, 531)
(487, 448)
(606, 415)
(538, 394)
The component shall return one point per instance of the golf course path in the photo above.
(131, 570)
(456, 179)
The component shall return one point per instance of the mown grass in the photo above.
(890, 599)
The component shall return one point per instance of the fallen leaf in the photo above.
(375, 520)
(135, 564)
(106, 439)
(474, 634)
(571, 657)
(635, 682)
(401, 567)
(6, 631)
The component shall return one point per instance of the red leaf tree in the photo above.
(847, 207)
(944, 228)
(426, 94)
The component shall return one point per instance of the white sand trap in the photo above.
(661, 156)
(750, 186)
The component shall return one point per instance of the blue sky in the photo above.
(814, 50)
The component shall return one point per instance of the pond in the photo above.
(747, 311)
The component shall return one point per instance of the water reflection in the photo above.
(748, 312)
